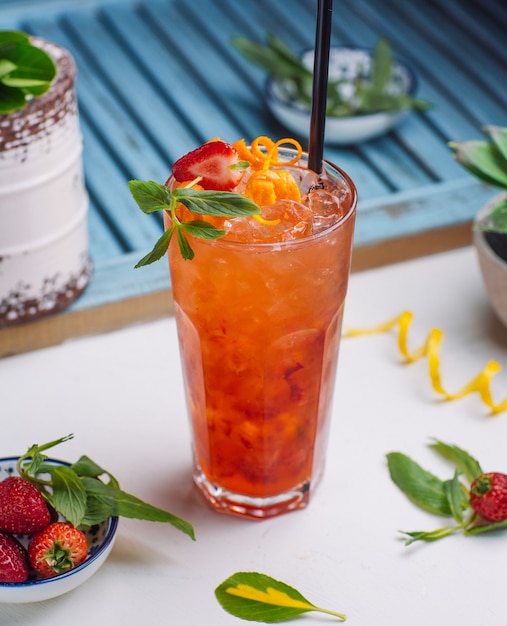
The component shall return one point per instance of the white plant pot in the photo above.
(493, 267)
(44, 261)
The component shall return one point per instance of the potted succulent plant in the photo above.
(44, 263)
(487, 161)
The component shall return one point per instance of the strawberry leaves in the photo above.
(80, 495)
(445, 498)
(424, 489)
(151, 197)
(260, 598)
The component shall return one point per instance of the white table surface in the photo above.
(121, 394)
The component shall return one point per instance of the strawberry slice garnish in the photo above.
(214, 162)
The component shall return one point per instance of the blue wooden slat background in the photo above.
(158, 77)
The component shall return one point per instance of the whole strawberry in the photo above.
(56, 549)
(13, 560)
(488, 496)
(23, 510)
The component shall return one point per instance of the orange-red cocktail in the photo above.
(259, 315)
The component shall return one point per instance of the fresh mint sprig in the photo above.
(151, 197)
(445, 498)
(79, 493)
(26, 71)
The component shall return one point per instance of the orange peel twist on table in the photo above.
(431, 349)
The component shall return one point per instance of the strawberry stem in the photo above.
(29, 465)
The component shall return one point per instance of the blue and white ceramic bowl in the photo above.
(100, 540)
(346, 63)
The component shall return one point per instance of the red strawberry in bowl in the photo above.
(13, 560)
(23, 510)
(57, 548)
(217, 163)
(488, 496)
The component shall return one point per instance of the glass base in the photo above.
(225, 501)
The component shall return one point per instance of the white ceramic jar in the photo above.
(44, 259)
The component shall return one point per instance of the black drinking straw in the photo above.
(319, 87)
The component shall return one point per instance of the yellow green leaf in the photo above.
(260, 598)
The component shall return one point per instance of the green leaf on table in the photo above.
(123, 504)
(430, 535)
(484, 528)
(260, 598)
(457, 497)
(423, 488)
(69, 494)
(466, 464)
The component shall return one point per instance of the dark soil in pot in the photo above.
(498, 243)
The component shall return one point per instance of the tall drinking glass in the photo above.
(259, 316)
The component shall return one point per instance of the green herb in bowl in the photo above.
(367, 90)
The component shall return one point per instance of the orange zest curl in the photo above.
(263, 151)
(265, 185)
(431, 349)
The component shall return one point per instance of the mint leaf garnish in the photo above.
(159, 249)
(202, 229)
(151, 197)
(26, 71)
(260, 598)
(79, 494)
(219, 203)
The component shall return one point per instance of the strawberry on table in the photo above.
(13, 560)
(23, 510)
(216, 162)
(56, 549)
(488, 496)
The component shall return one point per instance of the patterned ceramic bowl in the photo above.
(100, 540)
(345, 63)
